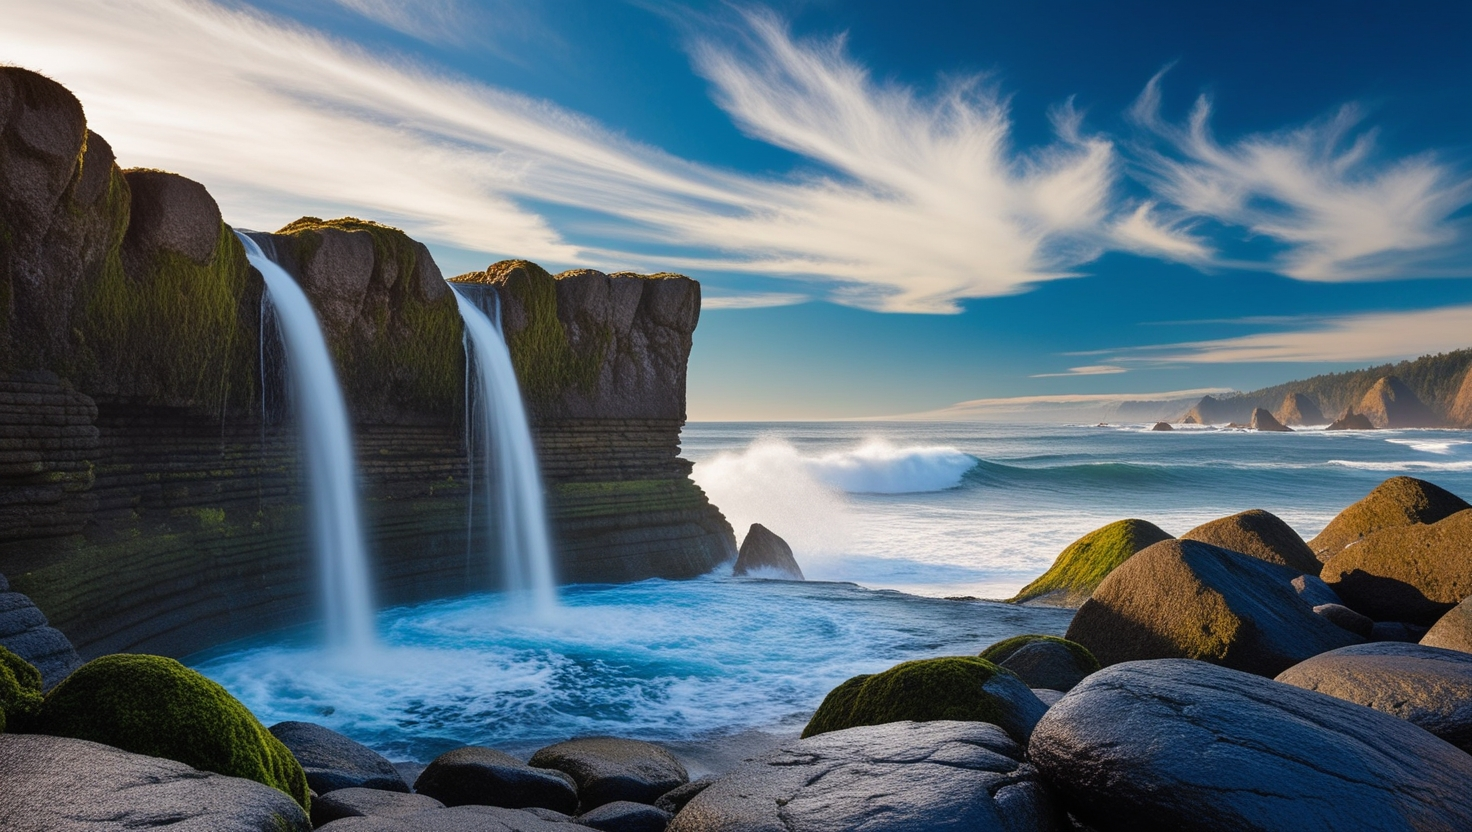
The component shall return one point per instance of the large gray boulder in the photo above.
(901, 776)
(609, 768)
(455, 819)
(1425, 686)
(1185, 745)
(474, 776)
(764, 552)
(1452, 631)
(365, 803)
(58, 784)
(1414, 573)
(25, 632)
(1397, 502)
(332, 761)
(625, 816)
(1191, 600)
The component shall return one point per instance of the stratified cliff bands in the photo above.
(150, 491)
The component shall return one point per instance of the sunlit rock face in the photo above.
(156, 492)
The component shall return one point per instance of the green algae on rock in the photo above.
(156, 706)
(1087, 561)
(1007, 647)
(1399, 501)
(1044, 661)
(963, 688)
(20, 690)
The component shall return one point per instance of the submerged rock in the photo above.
(1414, 573)
(1080, 568)
(897, 777)
(59, 784)
(1261, 535)
(473, 776)
(1185, 745)
(764, 551)
(1425, 686)
(1187, 599)
(1399, 501)
(1043, 661)
(1264, 421)
(332, 761)
(950, 688)
(156, 706)
(607, 769)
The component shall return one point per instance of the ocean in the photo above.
(896, 526)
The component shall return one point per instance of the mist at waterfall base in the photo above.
(327, 450)
(909, 513)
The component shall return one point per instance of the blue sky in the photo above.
(893, 207)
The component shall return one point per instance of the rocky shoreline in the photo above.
(1207, 682)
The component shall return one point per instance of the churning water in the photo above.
(512, 485)
(327, 448)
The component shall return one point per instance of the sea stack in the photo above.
(1162, 426)
(1351, 421)
(1300, 409)
(1391, 404)
(764, 551)
(1263, 420)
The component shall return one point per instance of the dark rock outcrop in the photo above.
(1342, 616)
(1398, 631)
(356, 802)
(1408, 573)
(58, 784)
(764, 551)
(473, 776)
(1300, 409)
(1078, 570)
(1391, 404)
(1214, 411)
(1351, 421)
(1425, 686)
(1042, 661)
(25, 632)
(884, 778)
(1260, 534)
(1186, 599)
(1452, 631)
(625, 816)
(1184, 745)
(675, 799)
(607, 769)
(1161, 426)
(1397, 502)
(457, 819)
(1264, 421)
(332, 761)
(951, 688)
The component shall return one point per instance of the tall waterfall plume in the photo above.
(327, 444)
(507, 459)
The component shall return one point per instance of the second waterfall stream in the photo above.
(503, 452)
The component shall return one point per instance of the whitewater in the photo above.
(897, 526)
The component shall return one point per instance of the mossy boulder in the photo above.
(1043, 661)
(1261, 535)
(20, 690)
(1084, 564)
(963, 688)
(1410, 574)
(1191, 600)
(1397, 502)
(156, 706)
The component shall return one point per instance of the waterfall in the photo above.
(513, 498)
(327, 443)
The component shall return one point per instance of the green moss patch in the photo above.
(1080, 568)
(1004, 649)
(950, 688)
(20, 690)
(155, 706)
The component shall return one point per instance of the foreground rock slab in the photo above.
(456, 819)
(880, 778)
(1191, 600)
(58, 784)
(333, 761)
(609, 768)
(1425, 686)
(1185, 745)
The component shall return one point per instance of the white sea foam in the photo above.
(1430, 446)
(1407, 465)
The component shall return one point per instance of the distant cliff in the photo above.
(1430, 391)
(150, 490)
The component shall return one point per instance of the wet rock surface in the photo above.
(883, 778)
(484, 776)
(359, 802)
(608, 769)
(1185, 745)
(763, 552)
(333, 761)
(57, 784)
(625, 816)
(456, 819)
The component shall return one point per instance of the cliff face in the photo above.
(1300, 409)
(150, 491)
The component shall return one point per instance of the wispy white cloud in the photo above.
(1367, 337)
(759, 300)
(1087, 370)
(1058, 407)
(433, 21)
(1340, 212)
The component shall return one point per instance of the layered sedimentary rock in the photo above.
(151, 496)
